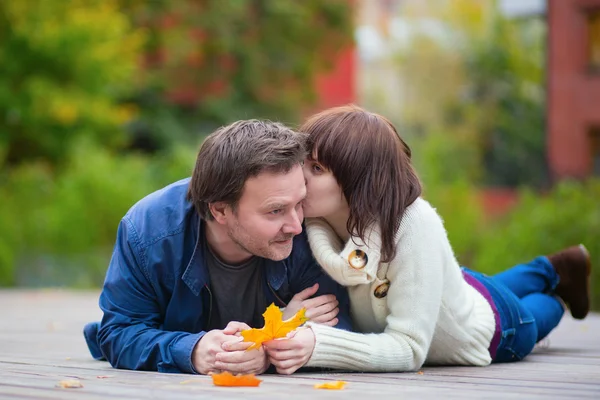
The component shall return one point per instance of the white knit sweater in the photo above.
(430, 314)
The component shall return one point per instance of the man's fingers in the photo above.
(333, 322)
(244, 367)
(238, 356)
(235, 327)
(306, 293)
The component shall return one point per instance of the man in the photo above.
(200, 260)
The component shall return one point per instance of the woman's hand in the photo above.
(322, 309)
(288, 355)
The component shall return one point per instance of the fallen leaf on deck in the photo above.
(227, 379)
(69, 384)
(67, 358)
(420, 373)
(104, 376)
(334, 385)
(274, 328)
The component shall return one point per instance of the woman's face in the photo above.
(324, 195)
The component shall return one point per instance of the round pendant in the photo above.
(382, 290)
(358, 259)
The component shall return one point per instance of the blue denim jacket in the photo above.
(156, 298)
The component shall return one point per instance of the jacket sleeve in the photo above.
(310, 272)
(130, 334)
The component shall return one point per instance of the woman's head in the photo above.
(363, 154)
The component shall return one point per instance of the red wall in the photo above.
(337, 86)
(573, 92)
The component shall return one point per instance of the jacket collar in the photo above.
(196, 275)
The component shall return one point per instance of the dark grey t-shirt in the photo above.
(237, 292)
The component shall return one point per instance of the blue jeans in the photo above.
(528, 308)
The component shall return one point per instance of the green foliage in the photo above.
(505, 69)
(61, 230)
(478, 91)
(64, 65)
(210, 62)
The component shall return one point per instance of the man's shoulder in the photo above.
(301, 252)
(162, 213)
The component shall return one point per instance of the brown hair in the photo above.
(372, 165)
(236, 152)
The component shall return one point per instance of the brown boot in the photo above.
(573, 266)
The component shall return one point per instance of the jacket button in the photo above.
(358, 259)
(382, 290)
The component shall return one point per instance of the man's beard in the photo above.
(246, 242)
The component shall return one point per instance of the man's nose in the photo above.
(294, 225)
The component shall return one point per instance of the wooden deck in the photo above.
(41, 344)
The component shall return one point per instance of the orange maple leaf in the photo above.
(227, 379)
(274, 327)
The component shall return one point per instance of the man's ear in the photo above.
(218, 211)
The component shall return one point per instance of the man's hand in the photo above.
(235, 359)
(288, 355)
(322, 309)
(206, 350)
(224, 350)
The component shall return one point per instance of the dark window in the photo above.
(595, 150)
(594, 41)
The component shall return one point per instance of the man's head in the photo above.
(248, 178)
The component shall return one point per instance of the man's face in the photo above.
(269, 214)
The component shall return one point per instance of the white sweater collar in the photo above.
(331, 253)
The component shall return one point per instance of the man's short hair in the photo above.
(236, 152)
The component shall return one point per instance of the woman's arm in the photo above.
(414, 301)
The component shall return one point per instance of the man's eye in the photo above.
(275, 212)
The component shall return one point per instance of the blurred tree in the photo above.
(507, 75)
(476, 92)
(64, 65)
(212, 61)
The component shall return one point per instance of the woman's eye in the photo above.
(317, 168)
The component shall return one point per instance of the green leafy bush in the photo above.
(64, 67)
(59, 230)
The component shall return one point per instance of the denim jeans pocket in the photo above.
(517, 343)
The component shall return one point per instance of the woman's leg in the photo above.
(536, 276)
(566, 273)
(518, 328)
(547, 310)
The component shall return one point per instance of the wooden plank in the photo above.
(41, 343)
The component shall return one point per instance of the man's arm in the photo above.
(129, 335)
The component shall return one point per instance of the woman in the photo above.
(412, 303)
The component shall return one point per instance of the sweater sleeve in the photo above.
(413, 300)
